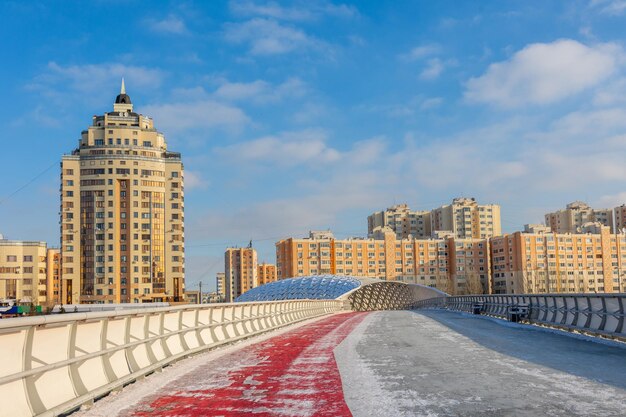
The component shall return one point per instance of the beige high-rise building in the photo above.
(122, 213)
(220, 285)
(266, 273)
(467, 219)
(53, 276)
(591, 261)
(23, 271)
(575, 214)
(620, 218)
(456, 266)
(241, 269)
(402, 221)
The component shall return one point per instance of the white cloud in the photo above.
(610, 7)
(261, 92)
(421, 52)
(611, 94)
(433, 69)
(285, 149)
(406, 109)
(194, 180)
(544, 73)
(203, 114)
(268, 37)
(431, 103)
(301, 11)
(88, 82)
(579, 125)
(170, 25)
(612, 200)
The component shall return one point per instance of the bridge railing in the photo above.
(55, 363)
(600, 314)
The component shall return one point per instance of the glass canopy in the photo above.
(317, 287)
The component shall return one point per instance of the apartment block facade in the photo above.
(24, 272)
(575, 215)
(591, 261)
(402, 220)
(464, 218)
(122, 213)
(456, 266)
(467, 219)
(266, 273)
(620, 218)
(220, 285)
(241, 271)
(53, 272)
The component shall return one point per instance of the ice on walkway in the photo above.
(442, 363)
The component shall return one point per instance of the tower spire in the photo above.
(123, 89)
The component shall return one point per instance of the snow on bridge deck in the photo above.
(391, 363)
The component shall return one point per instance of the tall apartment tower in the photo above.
(620, 218)
(122, 220)
(466, 219)
(241, 270)
(402, 221)
(575, 215)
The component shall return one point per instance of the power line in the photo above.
(28, 183)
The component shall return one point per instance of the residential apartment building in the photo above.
(266, 273)
(456, 266)
(23, 271)
(402, 221)
(467, 219)
(464, 218)
(53, 276)
(593, 260)
(241, 271)
(192, 296)
(575, 214)
(620, 218)
(122, 213)
(220, 285)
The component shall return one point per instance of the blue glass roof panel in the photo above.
(316, 287)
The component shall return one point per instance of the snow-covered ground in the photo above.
(442, 363)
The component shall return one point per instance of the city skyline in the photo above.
(306, 116)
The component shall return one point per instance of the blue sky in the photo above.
(305, 115)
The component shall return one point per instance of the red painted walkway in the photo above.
(294, 374)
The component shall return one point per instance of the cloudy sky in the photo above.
(312, 114)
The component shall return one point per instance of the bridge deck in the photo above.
(394, 363)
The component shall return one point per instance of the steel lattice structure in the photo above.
(382, 296)
(359, 294)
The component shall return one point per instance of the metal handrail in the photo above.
(598, 314)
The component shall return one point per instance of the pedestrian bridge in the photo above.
(330, 357)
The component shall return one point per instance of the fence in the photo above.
(600, 314)
(52, 364)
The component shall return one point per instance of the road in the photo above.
(391, 363)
